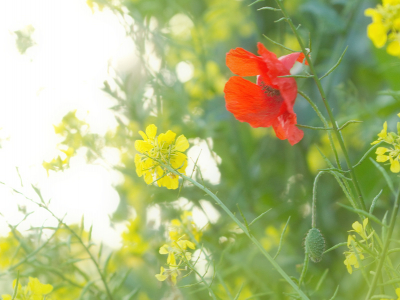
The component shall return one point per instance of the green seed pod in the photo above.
(315, 244)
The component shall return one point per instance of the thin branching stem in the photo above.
(327, 106)
(242, 227)
(385, 247)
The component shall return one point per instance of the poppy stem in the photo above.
(327, 106)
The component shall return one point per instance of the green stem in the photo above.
(327, 106)
(242, 227)
(385, 247)
(314, 201)
(305, 268)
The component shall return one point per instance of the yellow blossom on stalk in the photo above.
(177, 249)
(355, 250)
(391, 154)
(35, 290)
(385, 26)
(165, 148)
(360, 229)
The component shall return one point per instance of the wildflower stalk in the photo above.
(385, 247)
(241, 226)
(60, 221)
(327, 106)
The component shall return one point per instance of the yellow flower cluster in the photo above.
(178, 256)
(165, 148)
(385, 26)
(35, 290)
(354, 249)
(391, 154)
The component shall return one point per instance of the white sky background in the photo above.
(64, 71)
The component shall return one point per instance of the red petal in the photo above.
(244, 63)
(289, 60)
(275, 68)
(285, 128)
(250, 104)
(301, 58)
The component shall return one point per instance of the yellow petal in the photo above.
(393, 48)
(365, 223)
(151, 131)
(144, 136)
(382, 158)
(190, 245)
(377, 33)
(6, 297)
(398, 292)
(376, 16)
(161, 277)
(166, 139)
(171, 259)
(357, 227)
(349, 239)
(143, 146)
(163, 249)
(37, 287)
(178, 160)
(381, 150)
(395, 166)
(148, 177)
(383, 133)
(181, 143)
(174, 184)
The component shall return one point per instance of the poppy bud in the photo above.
(314, 244)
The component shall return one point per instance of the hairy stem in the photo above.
(327, 106)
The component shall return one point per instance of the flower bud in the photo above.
(314, 244)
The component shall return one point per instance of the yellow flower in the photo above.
(393, 153)
(394, 165)
(38, 288)
(360, 229)
(172, 272)
(377, 33)
(35, 290)
(161, 276)
(394, 48)
(166, 148)
(385, 26)
(352, 261)
(355, 249)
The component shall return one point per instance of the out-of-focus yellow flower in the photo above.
(35, 290)
(385, 26)
(360, 229)
(354, 249)
(272, 237)
(391, 154)
(165, 148)
(177, 249)
(9, 253)
(132, 239)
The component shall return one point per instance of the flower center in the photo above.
(270, 91)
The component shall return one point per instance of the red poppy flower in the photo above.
(270, 101)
